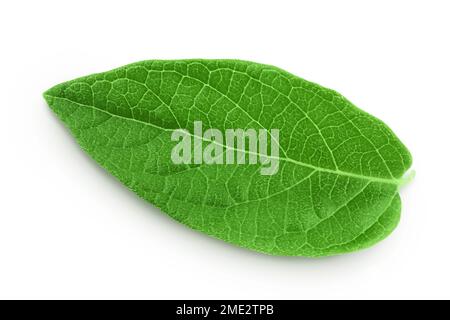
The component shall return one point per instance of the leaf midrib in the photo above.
(397, 182)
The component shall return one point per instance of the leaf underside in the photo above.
(340, 168)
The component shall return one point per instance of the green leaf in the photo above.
(336, 188)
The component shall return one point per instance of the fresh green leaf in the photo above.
(336, 187)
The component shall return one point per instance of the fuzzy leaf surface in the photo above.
(340, 168)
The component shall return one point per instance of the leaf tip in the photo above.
(48, 98)
(50, 94)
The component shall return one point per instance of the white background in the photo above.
(70, 230)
